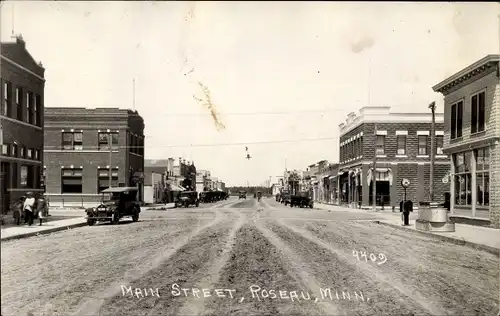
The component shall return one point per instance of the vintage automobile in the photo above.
(116, 203)
(301, 199)
(243, 195)
(286, 199)
(187, 198)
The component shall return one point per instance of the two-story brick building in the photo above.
(83, 146)
(401, 143)
(472, 135)
(21, 122)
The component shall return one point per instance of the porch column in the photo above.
(452, 185)
(420, 183)
(473, 168)
(338, 189)
(394, 184)
(364, 185)
(349, 188)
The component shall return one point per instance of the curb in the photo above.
(44, 232)
(492, 250)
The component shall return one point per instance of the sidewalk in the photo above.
(485, 238)
(159, 207)
(24, 231)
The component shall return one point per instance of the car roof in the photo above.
(119, 189)
(188, 191)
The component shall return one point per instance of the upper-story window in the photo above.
(19, 103)
(6, 98)
(457, 111)
(380, 145)
(477, 113)
(439, 144)
(29, 153)
(401, 140)
(105, 138)
(72, 140)
(422, 144)
(38, 110)
(29, 107)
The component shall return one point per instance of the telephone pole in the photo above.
(432, 106)
(110, 156)
(374, 173)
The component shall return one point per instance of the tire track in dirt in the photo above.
(461, 279)
(185, 268)
(299, 268)
(93, 304)
(196, 307)
(370, 273)
(256, 261)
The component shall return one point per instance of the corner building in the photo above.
(78, 156)
(472, 135)
(21, 122)
(401, 143)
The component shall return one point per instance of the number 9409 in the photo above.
(362, 254)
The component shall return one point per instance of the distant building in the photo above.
(21, 122)
(83, 145)
(471, 138)
(401, 143)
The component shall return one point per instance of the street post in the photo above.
(374, 173)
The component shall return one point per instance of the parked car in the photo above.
(187, 198)
(285, 198)
(243, 195)
(116, 203)
(301, 199)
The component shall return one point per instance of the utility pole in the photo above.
(110, 155)
(374, 172)
(432, 106)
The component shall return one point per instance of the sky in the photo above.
(280, 76)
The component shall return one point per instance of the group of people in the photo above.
(31, 207)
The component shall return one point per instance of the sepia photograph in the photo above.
(248, 158)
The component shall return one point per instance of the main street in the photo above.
(245, 257)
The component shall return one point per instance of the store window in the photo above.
(103, 179)
(482, 176)
(72, 140)
(401, 139)
(422, 145)
(380, 145)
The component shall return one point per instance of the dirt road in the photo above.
(243, 257)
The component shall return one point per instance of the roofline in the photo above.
(482, 62)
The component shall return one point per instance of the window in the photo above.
(104, 140)
(71, 180)
(380, 145)
(6, 98)
(14, 150)
(456, 119)
(22, 153)
(24, 177)
(5, 149)
(72, 140)
(463, 178)
(103, 178)
(30, 153)
(29, 107)
(38, 110)
(439, 144)
(401, 139)
(422, 144)
(482, 176)
(19, 103)
(37, 154)
(477, 113)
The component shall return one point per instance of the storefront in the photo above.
(470, 183)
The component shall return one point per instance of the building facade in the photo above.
(400, 142)
(89, 150)
(324, 182)
(472, 135)
(21, 122)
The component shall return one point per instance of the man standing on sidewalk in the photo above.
(29, 204)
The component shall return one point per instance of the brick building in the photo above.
(78, 159)
(21, 122)
(402, 145)
(472, 134)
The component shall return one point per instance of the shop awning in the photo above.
(332, 177)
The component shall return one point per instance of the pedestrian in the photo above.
(41, 208)
(28, 207)
(17, 208)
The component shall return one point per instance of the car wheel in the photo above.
(115, 217)
(310, 206)
(90, 222)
